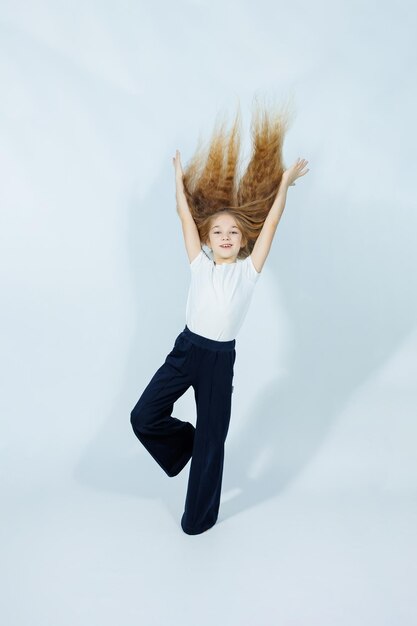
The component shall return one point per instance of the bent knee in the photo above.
(138, 418)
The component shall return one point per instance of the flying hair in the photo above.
(213, 183)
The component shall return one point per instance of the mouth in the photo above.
(227, 245)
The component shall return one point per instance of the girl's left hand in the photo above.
(295, 171)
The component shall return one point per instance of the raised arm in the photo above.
(189, 228)
(264, 241)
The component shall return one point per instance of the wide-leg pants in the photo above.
(207, 365)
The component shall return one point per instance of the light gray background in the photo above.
(318, 513)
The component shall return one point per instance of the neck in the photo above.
(224, 261)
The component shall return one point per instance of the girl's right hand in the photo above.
(177, 165)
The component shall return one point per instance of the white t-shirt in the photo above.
(219, 296)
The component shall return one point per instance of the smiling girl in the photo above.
(236, 221)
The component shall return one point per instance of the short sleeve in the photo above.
(199, 260)
(250, 270)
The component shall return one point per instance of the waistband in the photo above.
(205, 342)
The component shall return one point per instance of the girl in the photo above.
(237, 224)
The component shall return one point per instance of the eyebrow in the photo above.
(218, 226)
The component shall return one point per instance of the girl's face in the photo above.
(225, 238)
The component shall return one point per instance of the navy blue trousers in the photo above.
(207, 365)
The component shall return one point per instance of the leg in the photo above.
(168, 439)
(213, 392)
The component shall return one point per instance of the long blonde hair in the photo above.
(213, 184)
